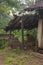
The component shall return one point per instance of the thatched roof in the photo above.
(38, 5)
(29, 22)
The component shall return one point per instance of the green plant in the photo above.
(8, 59)
(3, 44)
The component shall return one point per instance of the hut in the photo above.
(26, 21)
(29, 22)
(38, 7)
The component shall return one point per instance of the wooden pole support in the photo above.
(22, 30)
(40, 34)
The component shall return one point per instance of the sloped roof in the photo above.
(37, 5)
(29, 22)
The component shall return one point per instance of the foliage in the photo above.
(2, 44)
(9, 59)
(2, 31)
(4, 20)
(5, 6)
(32, 32)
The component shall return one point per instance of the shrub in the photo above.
(8, 59)
(3, 44)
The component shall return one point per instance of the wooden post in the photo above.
(10, 34)
(40, 34)
(22, 30)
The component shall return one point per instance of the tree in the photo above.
(5, 6)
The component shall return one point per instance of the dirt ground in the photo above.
(12, 57)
